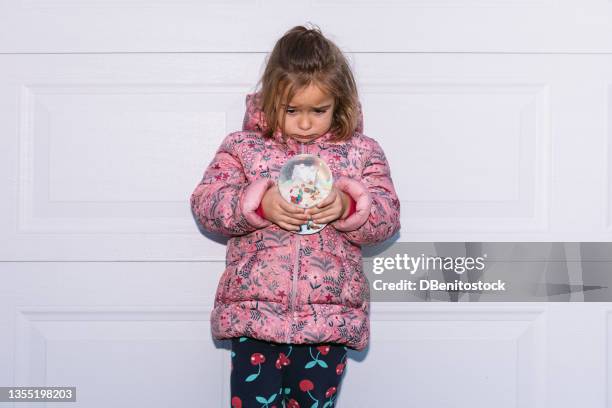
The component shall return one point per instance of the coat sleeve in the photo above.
(224, 201)
(377, 216)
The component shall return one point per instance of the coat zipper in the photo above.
(294, 272)
(294, 285)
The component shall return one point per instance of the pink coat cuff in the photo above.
(358, 192)
(251, 199)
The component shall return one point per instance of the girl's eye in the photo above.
(318, 112)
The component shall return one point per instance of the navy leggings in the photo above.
(274, 375)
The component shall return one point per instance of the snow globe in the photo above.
(305, 180)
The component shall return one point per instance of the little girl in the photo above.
(293, 304)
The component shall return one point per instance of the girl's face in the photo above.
(308, 115)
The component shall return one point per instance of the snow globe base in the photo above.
(310, 228)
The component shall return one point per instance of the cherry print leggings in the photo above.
(274, 375)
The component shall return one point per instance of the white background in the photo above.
(494, 115)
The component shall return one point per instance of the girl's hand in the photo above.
(334, 206)
(282, 213)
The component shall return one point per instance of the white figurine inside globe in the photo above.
(305, 180)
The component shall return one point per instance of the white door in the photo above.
(494, 117)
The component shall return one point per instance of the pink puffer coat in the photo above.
(280, 286)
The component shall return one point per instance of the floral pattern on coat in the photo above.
(277, 285)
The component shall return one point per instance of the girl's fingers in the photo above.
(289, 227)
(300, 217)
(289, 219)
(330, 213)
(290, 208)
(321, 219)
(319, 208)
(325, 215)
(314, 212)
(292, 223)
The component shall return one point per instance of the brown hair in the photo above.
(301, 57)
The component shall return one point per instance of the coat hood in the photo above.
(254, 120)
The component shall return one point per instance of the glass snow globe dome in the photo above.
(305, 180)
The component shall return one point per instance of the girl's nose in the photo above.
(304, 123)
